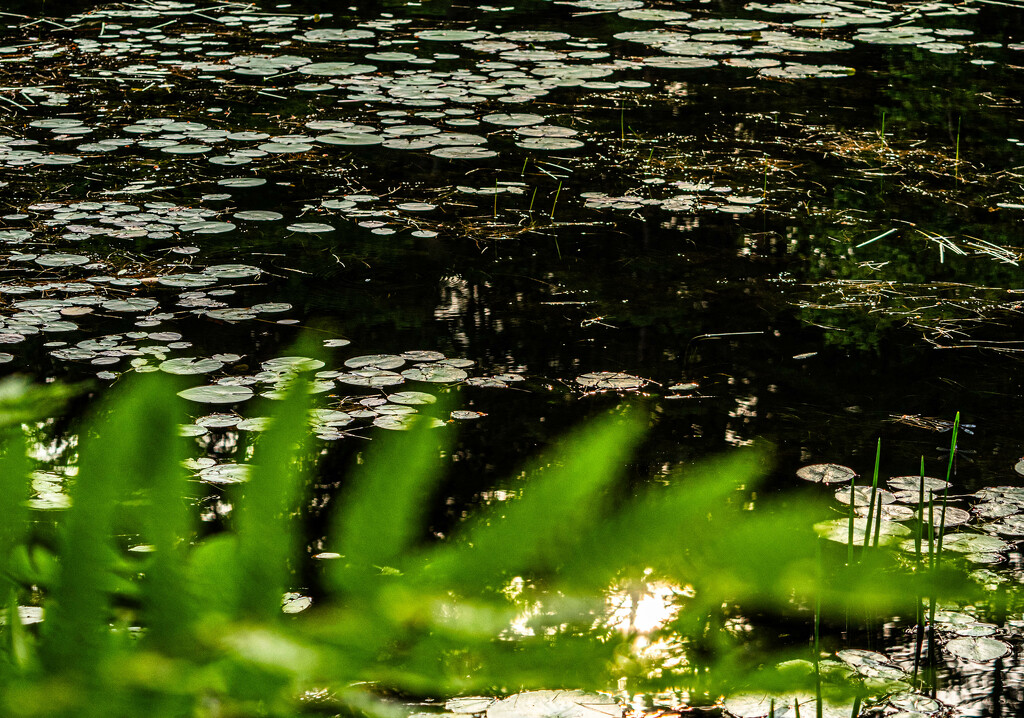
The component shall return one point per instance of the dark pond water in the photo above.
(793, 222)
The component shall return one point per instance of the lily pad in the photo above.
(826, 473)
(610, 380)
(61, 260)
(190, 365)
(217, 394)
(226, 474)
(437, 373)
(977, 649)
(376, 361)
(556, 704)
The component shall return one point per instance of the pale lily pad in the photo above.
(232, 271)
(133, 304)
(371, 377)
(205, 227)
(556, 704)
(190, 365)
(259, 215)
(350, 139)
(418, 355)
(863, 496)
(826, 473)
(464, 153)
(973, 543)
(549, 143)
(516, 119)
(226, 473)
(913, 483)
(654, 15)
(375, 361)
(219, 421)
(450, 35)
(335, 69)
(953, 516)
(310, 227)
(61, 260)
(439, 373)
(217, 394)
(186, 149)
(286, 364)
(977, 649)
(295, 603)
(610, 380)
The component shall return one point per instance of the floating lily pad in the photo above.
(190, 365)
(515, 119)
(219, 421)
(412, 397)
(438, 373)
(61, 260)
(826, 473)
(556, 704)
(292, 364)
(420, 355)
(310, 227)
(133, 304)
(371, 377)
(350, 138)
(549, 143)
(953, 516)
(610, 380)
(226, 474)
(972, 543)
(450, 35)
(401, 422)
(863, 496)
(464, 153)
(259, 215)
(913, 484)
(838, 530)
(977, 649)
(335, 69)
(217, 394)
(376, 361)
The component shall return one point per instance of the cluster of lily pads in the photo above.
(986, 531)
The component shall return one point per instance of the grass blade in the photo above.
(565, 494)
(125, 443)
(267, 537)
(381, 516)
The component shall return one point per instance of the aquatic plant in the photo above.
(120, 605)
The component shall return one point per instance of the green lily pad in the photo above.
(217, 394)
(437, 373)
(61, 260)
(190, 365)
